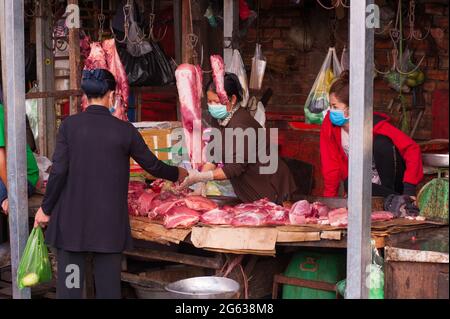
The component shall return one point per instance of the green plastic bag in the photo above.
(374, 279)
(34, 267)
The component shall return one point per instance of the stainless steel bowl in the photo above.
(204, 288)
(435, 160)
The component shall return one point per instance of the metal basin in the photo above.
(204, 288)
(435, 160)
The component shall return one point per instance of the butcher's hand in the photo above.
(41, 219)
(195, 177)
(182, 174)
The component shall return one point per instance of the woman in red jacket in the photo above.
(397, 161)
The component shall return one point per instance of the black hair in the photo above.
(97, 83)
(231, 84)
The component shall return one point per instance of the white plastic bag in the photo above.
(318, 102)
(237, 67)
(259, 64)
(345, 59)
(43, 164)
(31, 109)
(260, 115)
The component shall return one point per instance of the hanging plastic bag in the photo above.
(136, 45)
(31, 109)
(260, 114)
(259, 64)
(237, 67)
(34, 267)
(345, 59)
(318, 102)
(151, 69)
(374, 279)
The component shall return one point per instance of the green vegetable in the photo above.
(420, 78)
(30, 280)
(413, 75)
(411, 82)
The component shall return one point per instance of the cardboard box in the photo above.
(157, 135)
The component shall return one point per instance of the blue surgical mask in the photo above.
(218, 111)
(338, 118)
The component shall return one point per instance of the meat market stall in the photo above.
(249, 242)
(243, 234)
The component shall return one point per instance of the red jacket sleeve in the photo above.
(329, 153)
(409, 150)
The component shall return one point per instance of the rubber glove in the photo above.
(195, 177)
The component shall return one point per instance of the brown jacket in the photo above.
(248, 183)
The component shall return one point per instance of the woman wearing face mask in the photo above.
(397, 161)
(248, 182)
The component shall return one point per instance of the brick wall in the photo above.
(292, 85)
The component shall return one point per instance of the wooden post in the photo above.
(186, 50)
(45, 74)
(74, 53)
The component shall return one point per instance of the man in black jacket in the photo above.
(85, 204)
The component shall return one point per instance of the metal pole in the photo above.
(360, 158)
(230, 26)
(13, 64)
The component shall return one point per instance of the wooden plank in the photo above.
(265, 253)
(199, 261)
(53, 94)
(413, 280)
(144, 228)
(262, 239)
(331, 235)
(292, 237)
(399, 254)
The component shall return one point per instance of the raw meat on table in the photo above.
(218, 68)
(189, 85)
(338, 217)
(200, 203)
(382, 216)
(217, 217)
(181, 216)
(278, 217)
(299, 212)
(319, 210)
(144, 202)
(136, 185)
(135, 190)
(249, 218)
(160, 208)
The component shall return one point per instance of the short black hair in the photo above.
(231, 84)
(97, 83)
